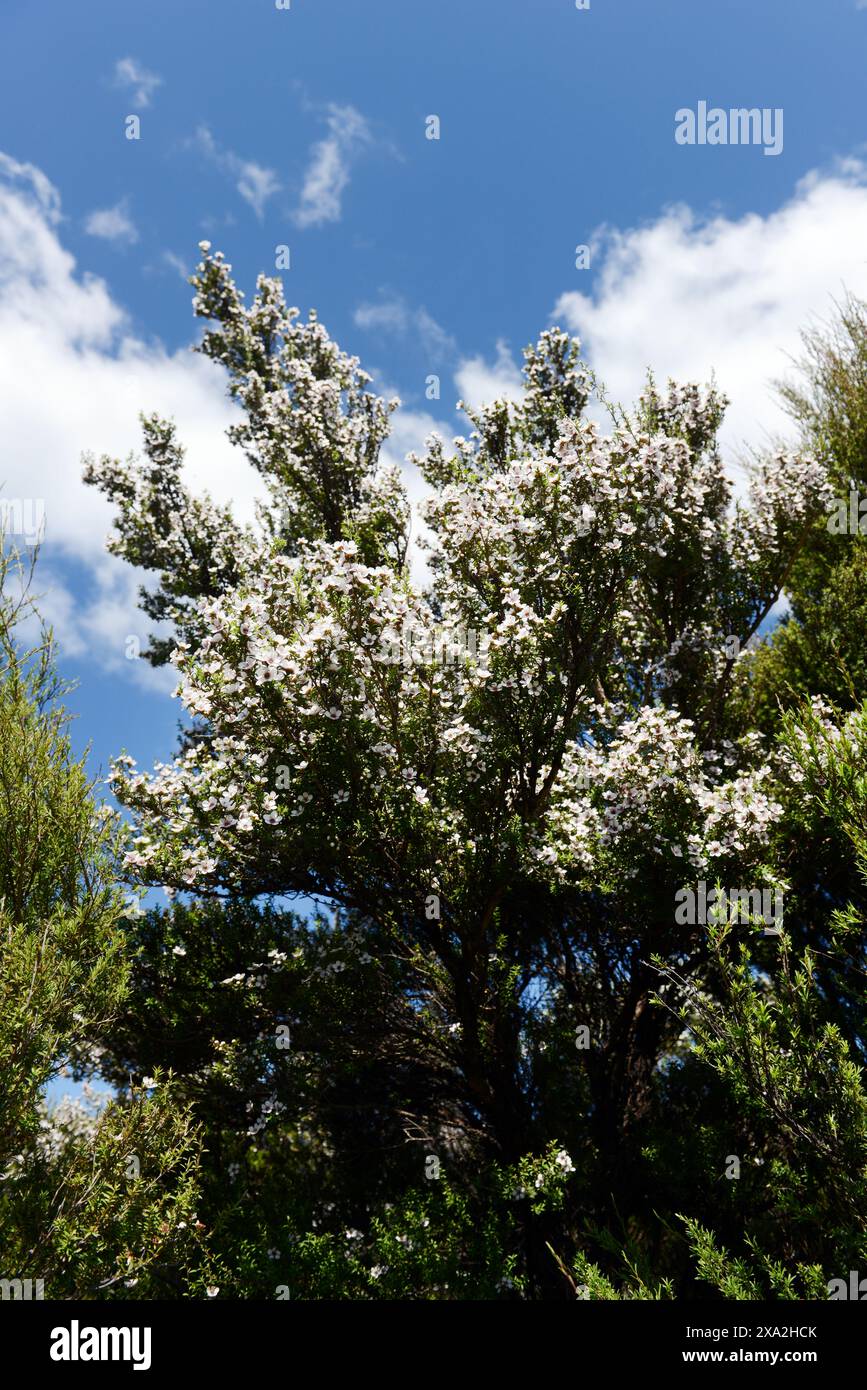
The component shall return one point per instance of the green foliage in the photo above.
(93, 1198)
(755, 1277)
(818, 649)
(496, 1065)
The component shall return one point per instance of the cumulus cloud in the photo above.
(684, 293)
(112, 224)
(100, 624)
(131, 75)
(690, 295)
(395, 317)
(327, 174)
(480, 382)
(255, 183)
(75, 377)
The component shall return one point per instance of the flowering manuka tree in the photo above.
(502, 823)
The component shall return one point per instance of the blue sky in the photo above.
(306, 128)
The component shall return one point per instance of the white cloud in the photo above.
(394, 316)
(434, 339)
(75, 378)
(328, 172)
(112, 224)
(409, 431)
(102, 625)
(390, 316)
(255, 183)
(683, 294)
(480, 382)
(39, 188)
(129, 73)
(177, 264)
(688, 295)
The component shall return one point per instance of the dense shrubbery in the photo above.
(497, 1065)
(94, 1198)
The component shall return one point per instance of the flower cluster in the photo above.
(649, 787)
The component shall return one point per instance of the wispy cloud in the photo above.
(394, 316)
(176, 263)
(389, 316)
(112, 224)
(255, 183)
(37, 186)
(328, 171)
(129, 73)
